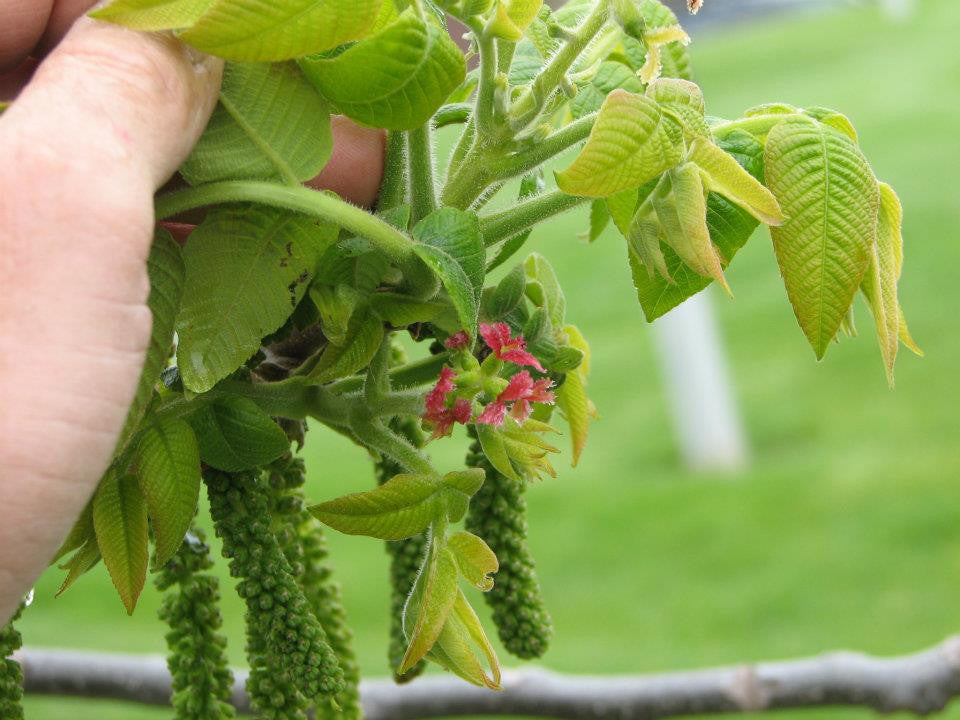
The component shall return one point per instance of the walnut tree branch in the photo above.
(921, 683)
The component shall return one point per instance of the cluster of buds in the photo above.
(452, 400)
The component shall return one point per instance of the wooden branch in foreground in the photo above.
(921, 683)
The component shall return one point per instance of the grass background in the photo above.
(845, 532)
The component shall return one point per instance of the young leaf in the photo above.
(724, 175)
(168, 470)
(431, 602)
(166, 271)
(630, 143)
(255, 31)
(246, 271)
(153, 15)
(513, 17)
(80, 533)
(475, 559)
(336, 306)
(508, 293)
(457, 283)
(572, 399)
(542, 277)
(402, 507)
(364, 334)
(269, 124)
(495, 449)
(453, 651)
(623, 205)
(610, 76)
(681, 208)
(402, 310)
(234, 434)
(830, 197)
(684, 101)
(458, 234)
(79, 563)
(458, 487)
(396, 79)
(643, 240)
(120, 521)
(599, 219)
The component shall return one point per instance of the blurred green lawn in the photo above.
(846, 530)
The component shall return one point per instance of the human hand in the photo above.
(105, 120)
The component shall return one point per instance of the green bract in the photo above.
(286, 304)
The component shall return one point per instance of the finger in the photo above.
(108, 116)
(22, 23)
(356, 166)
(62, 16)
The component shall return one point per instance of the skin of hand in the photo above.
(103, 117)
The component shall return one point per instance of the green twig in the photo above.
(540, 151)
(393, 189)
(423, 193)
(502, 225)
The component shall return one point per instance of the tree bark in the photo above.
(921, 683)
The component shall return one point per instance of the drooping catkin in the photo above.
(304, 545)
(278, 613)
(202, 681)
(498, 514)
(11, 675)
(405, 558)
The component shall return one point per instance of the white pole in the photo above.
(899, 10)
(708, 426)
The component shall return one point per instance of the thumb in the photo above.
(108, 117)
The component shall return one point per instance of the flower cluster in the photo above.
(451, 399)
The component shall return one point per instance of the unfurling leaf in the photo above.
(270, 124)
(830, 197)
(402, 507)
(256, 31)
(724, 175)
(543, 288)
(453, 647)
(681, 206)
(475, 559)
(496, 450)
(166, 271)
(396, 79)
(513, 17)
(643, 241)
(246, 271)
(631, 143)
(429, 604)
(506, 296)
(120, 521)
(684, 100)
(153, 15)
(572, 399)
(364, 335)
(457, 283)
(234, 434)
(168, 470)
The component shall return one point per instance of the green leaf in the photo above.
(153, 15)
(396, 79)
(458, 234)
(79, 563)
(599, 219)
(168, 470)
(730, 228)
(336, 306)
(430, 604)
(402, 507)
(830, 197)
(507, 295)
(476, 561)
(457, 283)
(836, 120)
(402, 310)
(623, 205)
(680, 203)
(575, 408)
(234, 434)
(495, 449)
(120, 521)
(80, 533)
(256, 31)
(270, 124)
(512, 18)
(630, 144)
(166, 271)
(724, 175)
(246, 271)
(609, 76)
(364, 334)
(541, 276)
(453, 648)
(684, 101)
(459, 486)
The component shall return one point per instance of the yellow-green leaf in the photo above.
(453, 647)
(396, 79)
(152, 15)
(430, 603)
(168, 469)
(120, 522)
(85, 558)
(831, 200)
(513, 17)
(257, 31)
(630, 144)
(476, 561)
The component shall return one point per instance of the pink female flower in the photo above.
(457, 341)
(522, 391)
(509, 349)
(436, 399)
(437, 413)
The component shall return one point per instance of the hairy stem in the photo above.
(392, 242)
(523, 162)
(393, 189)
(755, 124)
(484, 112)
(412, 374)
(423, 193)
(376, 436)
(507, 223)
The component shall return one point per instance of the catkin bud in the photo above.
(202, 681)
(405, 558)
(278, 613)
(11, 675)
(498, 514)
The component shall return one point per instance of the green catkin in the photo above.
(273, 695)
(11, 675)
(304, 545)
(498, 514)
(202, 681)
(278, 614)
(405, 558)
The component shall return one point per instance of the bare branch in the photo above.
(921, 683)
